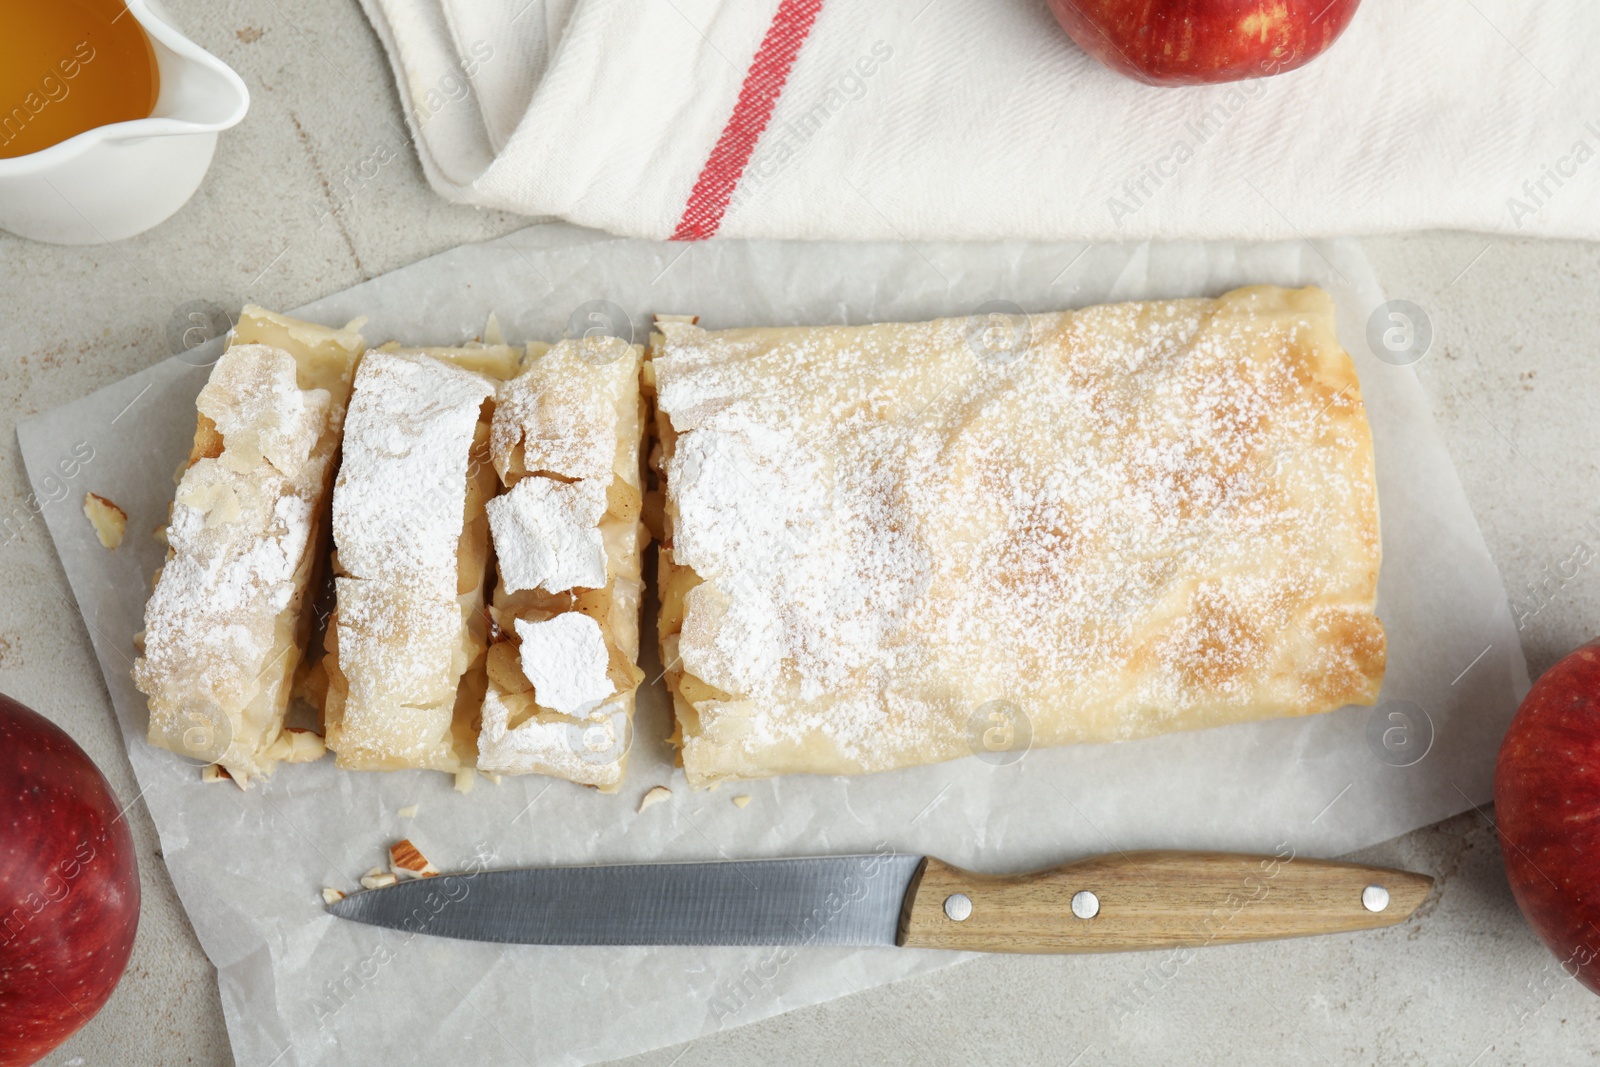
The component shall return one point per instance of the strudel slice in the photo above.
(568, 541)
(897, 544)
(229, 619)
(405, 644)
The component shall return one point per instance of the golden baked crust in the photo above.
(1136, 519)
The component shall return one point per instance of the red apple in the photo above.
(1197, 42)
(1547, 805)
(69, 886)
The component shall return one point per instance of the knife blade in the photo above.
(1117, 902)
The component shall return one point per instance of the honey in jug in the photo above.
(67, 66)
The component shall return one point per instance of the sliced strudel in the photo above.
(405, 644)
(568, 540)
(897, 544)
(229, 619)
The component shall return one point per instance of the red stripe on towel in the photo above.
(763, 84)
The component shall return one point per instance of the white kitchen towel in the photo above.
(950, 119)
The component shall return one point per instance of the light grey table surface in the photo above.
(1514, 379)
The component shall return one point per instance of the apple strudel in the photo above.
(406, 640)
(229, 618)
(562, 669)
(881, 541)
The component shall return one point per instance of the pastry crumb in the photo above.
(464, 779)
(331, 895)
(408, 812)
(741, 801)
(407, 861)
(377, 878)
(109, 521)
(655, 796)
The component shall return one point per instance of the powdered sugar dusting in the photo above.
(401, 652)
(563, 410)
(565, 658)
(261, 412)
(1162, 516)
(220, 595)
(398, 504)
(588, 752)
(547, 535)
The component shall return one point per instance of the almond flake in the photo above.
(377, 878)
(408, 862)
(408, 812)
(331, 895)
(656, 795)
(108, 520)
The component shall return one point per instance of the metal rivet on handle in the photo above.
(1374, 898)
(1085, 905)
(957, 907)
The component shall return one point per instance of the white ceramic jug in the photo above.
(115, 181)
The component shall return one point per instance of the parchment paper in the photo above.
(301, 988)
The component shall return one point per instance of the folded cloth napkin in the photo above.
(924, 119)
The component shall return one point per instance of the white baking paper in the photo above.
(301, 988)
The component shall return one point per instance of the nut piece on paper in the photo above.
(655, 796)
(407, 861)
(377, 878)
(331, 895)
(109, 521)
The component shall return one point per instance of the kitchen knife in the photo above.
(1136, 900)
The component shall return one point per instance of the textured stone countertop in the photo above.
(1514, 378)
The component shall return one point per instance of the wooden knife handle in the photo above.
(1145, 900)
